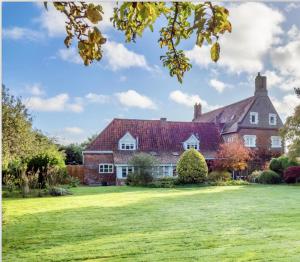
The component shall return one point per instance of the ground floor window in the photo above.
(276, 141)
(106, 168)
(126, 170)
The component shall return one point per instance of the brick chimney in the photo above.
(261, 85)
(197, 110)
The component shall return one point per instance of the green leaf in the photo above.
(215, 52)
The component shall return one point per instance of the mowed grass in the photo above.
(233, 223)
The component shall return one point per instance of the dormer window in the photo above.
(192, 142)
(253, 117)
(127, 142)
(272, 119)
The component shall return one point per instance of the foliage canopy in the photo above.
(208, 21)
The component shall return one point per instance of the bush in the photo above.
(139, 178)
(73, 181)
(253, 178)
(191, 167)
(292, 174)
(269, 177)
(280, 164)
(143, 167)
(165, 182)
(219, 176)
(231, 182)
(58, 191)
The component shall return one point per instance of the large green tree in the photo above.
(19, 140)
(291, 133)
(205, 20)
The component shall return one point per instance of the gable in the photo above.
(263, 107)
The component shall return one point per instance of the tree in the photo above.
(17, 135)
(232, 156)
(192, 167)
(73, 153)
(291, 133)
(208, 21)
(143, 165)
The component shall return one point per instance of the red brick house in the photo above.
(254, 120)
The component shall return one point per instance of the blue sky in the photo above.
(71, 102)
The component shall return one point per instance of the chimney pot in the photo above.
(163, 119)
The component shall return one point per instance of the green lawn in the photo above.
(233, 223)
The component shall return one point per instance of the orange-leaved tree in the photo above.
(232, 156)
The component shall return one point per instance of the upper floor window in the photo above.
(192, 142)
(127, 142)
(253, 117)
(272, 119)
(275, 141)
(106, 168)
(250, 140)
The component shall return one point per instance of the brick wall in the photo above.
(91, 169)
(263, 138)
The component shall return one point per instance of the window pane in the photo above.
(124, 171)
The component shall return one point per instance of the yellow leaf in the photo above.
(215, 52)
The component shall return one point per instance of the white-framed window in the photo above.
(127, 170)
(276, 141)
(162, 170)
(192, 145)
(191, 142)
(127, 146)
(253, 117)
(127, 142)
(250, 140)
(230, 139)
(272, 119)
(106, 168)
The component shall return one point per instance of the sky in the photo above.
(71, 102)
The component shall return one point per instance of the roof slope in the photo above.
(158, 135)
(229, 115)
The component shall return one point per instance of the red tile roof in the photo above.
(158, 135)
(229, 115)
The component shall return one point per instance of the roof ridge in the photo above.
(224, 107)
(158, 120)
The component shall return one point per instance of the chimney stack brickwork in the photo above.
(261, 85)
(197, 110)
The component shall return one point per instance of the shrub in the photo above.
(253, 178)
(164, 182)
(219, 176)
(231, 182)
(191, 167)
(58, 191)
(269, 177)
(280, 164)
(292, 174)
(143, 166)
(73, 181)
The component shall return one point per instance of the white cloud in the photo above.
(286, 105)
(218, 85)
(52, 21)
(286, 59)
(57, 103)
(35, 89)
(119, 57)
(17, 33)
(292, 6)
(256, 28)
(273, 79)
(131, 98)
(97, 98)
(73, 130)
(294, 33)
(70, 55)
(189, 100)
